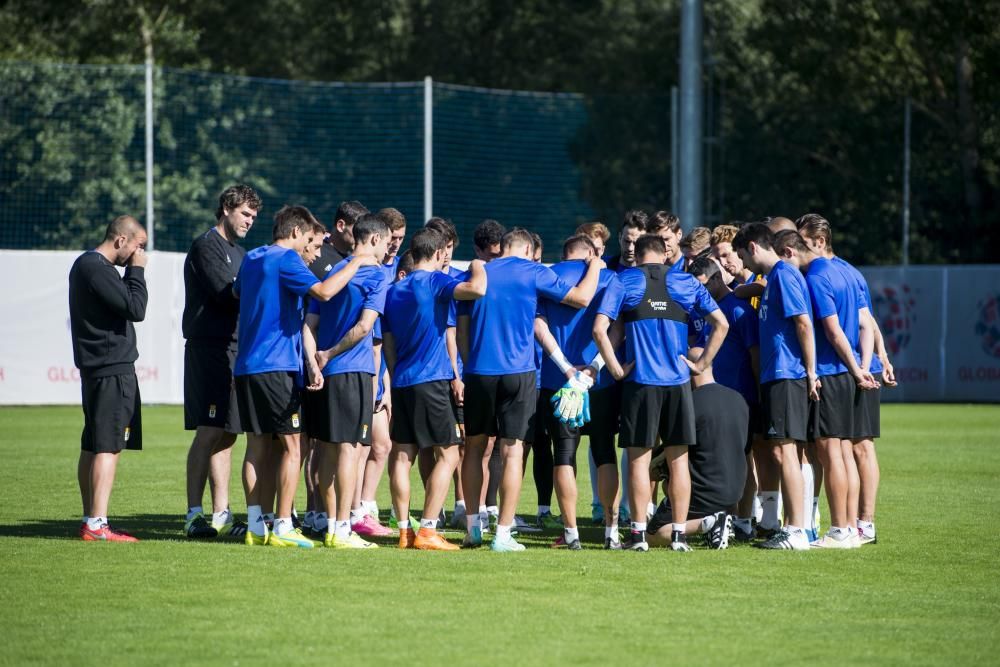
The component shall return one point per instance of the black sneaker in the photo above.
(718, 536)
(741, 536)
(766, 533)
(198, 528)
(678, 541)
(636, 541)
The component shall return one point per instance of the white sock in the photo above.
(282, 526)
(269, 518)
(571, 534)
(769, 503)
(650, 510)
(494, 510)
(404, 524)
(370, 507)
(707, 524)
(193, 512)
(611, 532)
(866, 527)
(357, 514)
(472, 520)
(428, 523)
(638, 526)
(221, 518)
(320, 521)
(342, 529)
(792, 530)
(503, 532)
(743, 524)
(839, 534)
(682, 527)
(815, 511)
(255, 519)
(544, 509)
(459, 508)
(482, 509)
(808, 484)
(758, 509)
(95, 522)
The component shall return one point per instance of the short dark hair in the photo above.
(393, 218)
(350, 211)
(289, 218)
(425, 243)
(635, 218)
(753, 232)
(445, 228)
(318, 228)
(368, 225)
(650, 243)
(663, 220)
(578, 242)
(488, 233)
(703, 266)
(816, 226)
(237, 195)
(517, 236)
(123, 225)
(405, 265)
(788, 239)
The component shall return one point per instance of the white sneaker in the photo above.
(828, 541)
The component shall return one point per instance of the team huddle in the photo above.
(738, 369)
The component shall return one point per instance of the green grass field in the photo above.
(927, 593)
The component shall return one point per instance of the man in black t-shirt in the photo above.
(102, 309)
(717, 462)
(211, 312)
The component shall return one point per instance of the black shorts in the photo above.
(343, 409)
(784, 408)
(499, 405)
(537, 430)
(832, 416)
(112, 414)
(649, 411)
(754, 429)
(424, 415)
(209, 390)
(269, 403)
(605, 409)
(867, 414)
(565, 438)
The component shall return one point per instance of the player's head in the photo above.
(371, 236)
(517, 243)
(447, 230)
(722, 248)
(815, 230)
(792, 248)
(238, 208)
(311, 252)
(397, 230)
(754, 243)
(579, 246)
(695, 242)
(779, 224)
(427, 245)
(294, 225)
(405, 266)
(650, 249)
(667, 226)
(487, 238)
(633, 226)
(342, 232)
(708, 273)
(598, 233)
(123, 236)
(537, 247)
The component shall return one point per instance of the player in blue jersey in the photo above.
(668, 227)
(268, 368)
(656, 399)
(837, 303)
(496, 336)
(633, 226)
(818, 236)
(342, 366)
(787, 371)
(566, 334)
(414, 325)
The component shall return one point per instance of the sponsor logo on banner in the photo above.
(988, 324)
(896, 311)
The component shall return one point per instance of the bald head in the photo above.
(121, 240)
(780, 224)
(123, 225)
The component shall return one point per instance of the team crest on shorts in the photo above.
(364, 431)
(211, 411)
(458, 431)
(295, 420)
(128, 432)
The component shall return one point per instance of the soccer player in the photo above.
(414, 325)
(722, 249)
(655, 305)
(209, 327)
(695, 243)
(269, 365)
(818, 236)
(599, 235)
(717, 464)
(633, 226)
(102, 309)
(787, 371)
(566, 336)
(500, 368)
(668, 227)
(342, 365)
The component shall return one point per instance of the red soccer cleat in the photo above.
(105, 534)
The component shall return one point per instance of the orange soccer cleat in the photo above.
(428, 539)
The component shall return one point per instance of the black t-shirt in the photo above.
(102, 308)
(328, 258)
(718, 462)
(211, 310)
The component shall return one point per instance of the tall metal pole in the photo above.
(150, 231)
(428, 148)
(691, 172)
(906, 182)
(675, 162)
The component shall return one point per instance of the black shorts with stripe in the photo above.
(342, 409)
(651, 411)
(499, 405)
(112, 414)
(832, 416)
(209, 389)
(785, 410)
(269, 402)
(424, 415)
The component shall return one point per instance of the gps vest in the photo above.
(656, 302)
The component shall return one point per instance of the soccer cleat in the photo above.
(830, 542)
(506, 545)
(522, 526)
(428, 539)
(230, 528)
(198, 528)
(353, 541)
(548, 521)
(104, 534)
(597, 515)
(636, 541)
(718, 535)
(293, 538)
(473, 539)
(253, 540)
(612, 545)
(766, 534)
(741, 536)
(561, 543)
(406, 537)
(369, 527)
(679, 542)
(786, 540)
(866, 538)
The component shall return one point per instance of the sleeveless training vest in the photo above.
(656, 302)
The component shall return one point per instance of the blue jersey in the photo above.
(366, 291)
(416, 313)
(678, 265)
(866, 299)
(502, 323)
(655, 345)
(573, 328)
(460, 276)
(732, 366)
(380, 370)
(785, 297)
(833, 292)
(271, 283)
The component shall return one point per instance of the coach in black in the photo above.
(211, 311)
(102, 308)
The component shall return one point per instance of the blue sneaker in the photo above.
(473, 538)
(597, 514)
(506, 545)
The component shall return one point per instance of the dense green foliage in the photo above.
(806, 97)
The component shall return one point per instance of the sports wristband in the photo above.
(598, 363)
(560, 360)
